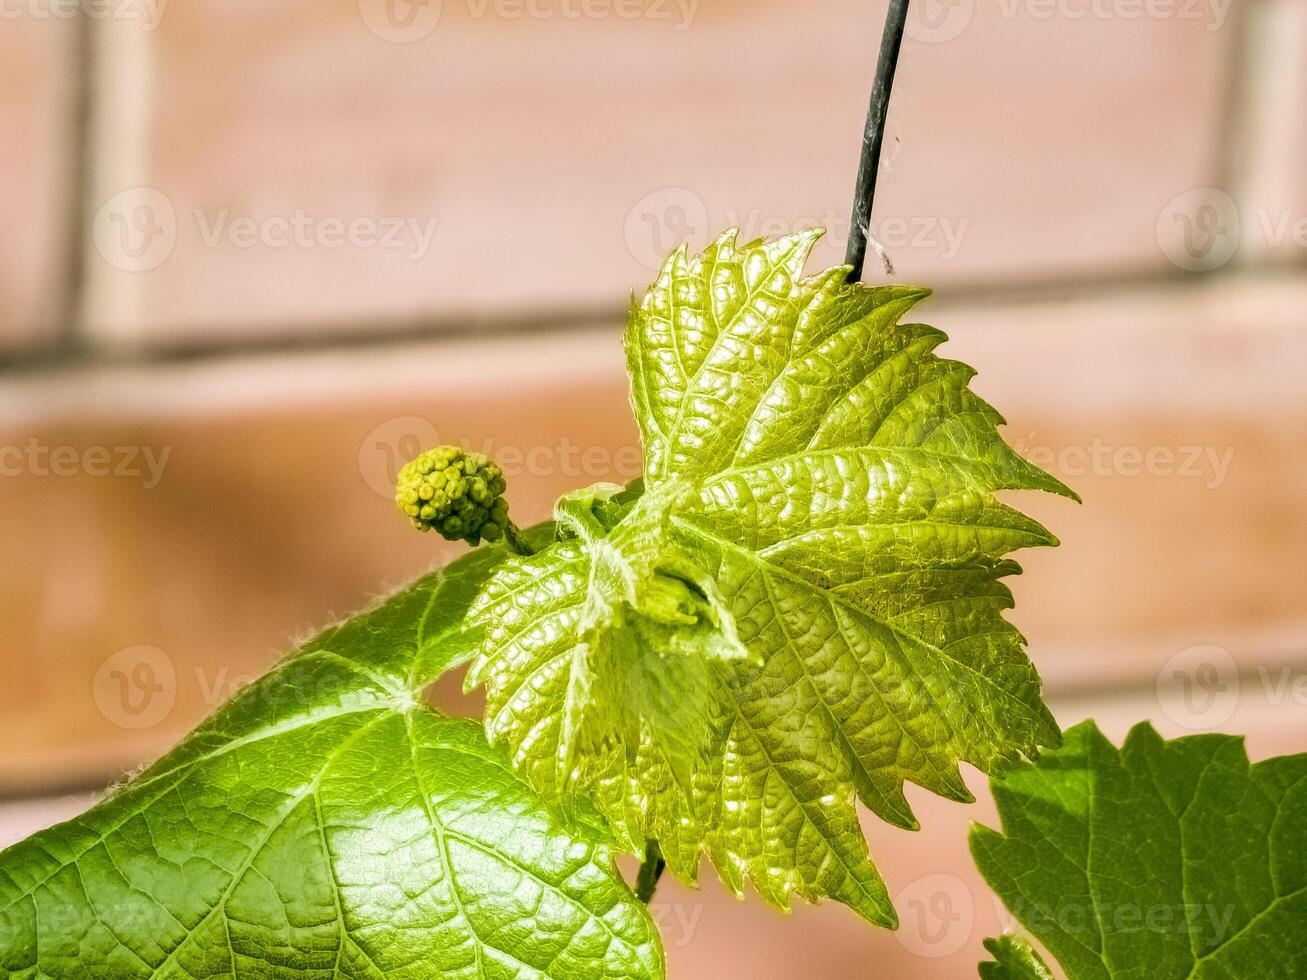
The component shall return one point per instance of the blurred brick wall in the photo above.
(37, 102)
(548, 162)
(294, 216)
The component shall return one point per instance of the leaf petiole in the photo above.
(516, 540)
(651, 869)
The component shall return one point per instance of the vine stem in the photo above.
(651, 869)
(516, 540)
(873, 137)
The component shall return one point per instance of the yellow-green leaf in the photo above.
(819, 503)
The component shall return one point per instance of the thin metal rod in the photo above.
(873, 137)
(85, 42)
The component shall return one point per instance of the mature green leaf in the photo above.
(1160, 860)
(805, 606)
(326, 823)
(1014, 959)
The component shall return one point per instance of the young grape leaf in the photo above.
(1014, 959)
(1162, 860)
(326, 823)
(805, 606)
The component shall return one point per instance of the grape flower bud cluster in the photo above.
(459, 494)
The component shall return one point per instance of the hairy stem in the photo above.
(651, 869)
(516, 540)
(873, 137)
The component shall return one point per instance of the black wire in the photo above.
(873, 137)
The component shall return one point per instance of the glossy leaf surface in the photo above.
(804, 608)
(327, 823)
(1159, 859)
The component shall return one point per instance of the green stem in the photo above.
(517, 541)
(646, 880)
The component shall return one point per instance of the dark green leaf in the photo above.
(1162, 860)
